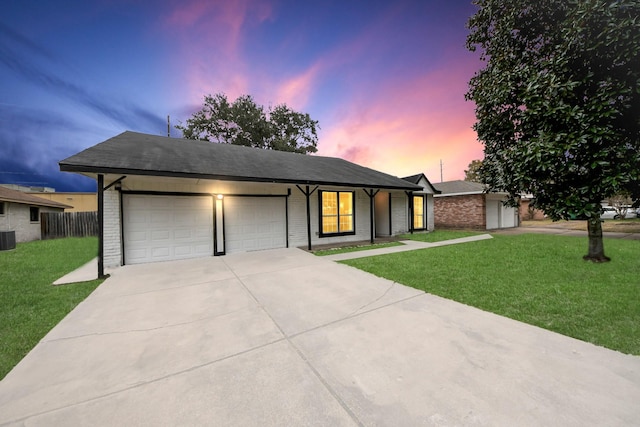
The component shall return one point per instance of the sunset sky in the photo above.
(385, 79)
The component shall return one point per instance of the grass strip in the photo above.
(29, 305)
(347, 249)
(439, 235)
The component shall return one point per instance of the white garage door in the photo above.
(508, 217)
(254, 223)
(163, 228)
(500, 216)
(493, 214)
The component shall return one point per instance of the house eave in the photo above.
(469, 193)
(94, 171)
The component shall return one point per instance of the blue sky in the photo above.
(385, 79)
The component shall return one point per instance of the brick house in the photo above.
(464, 204)
(527, 213)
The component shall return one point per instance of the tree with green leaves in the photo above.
(558, 102)
(473, 173)
(243, 122)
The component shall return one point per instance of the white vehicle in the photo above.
(610, 213)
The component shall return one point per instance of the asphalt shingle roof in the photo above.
(15, 196)
(142, 154)
(455, 187)
(415, 179)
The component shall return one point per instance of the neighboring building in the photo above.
(20, 212)
(29, 189)
(464, 204)
(527, 212)
(169, 198)
(78, 202)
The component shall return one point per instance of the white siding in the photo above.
(296, 208)
(399, 213)
(430, 220)
(382, 213)
(298, 217)
(112, 247)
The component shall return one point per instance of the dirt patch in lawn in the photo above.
(612, 225)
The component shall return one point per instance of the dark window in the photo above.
(1, 208)
(337, 215)
(418, 213)
(34, 214)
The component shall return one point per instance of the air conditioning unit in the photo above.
(7, 240)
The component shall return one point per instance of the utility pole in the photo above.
(440, 170)
(169, 126)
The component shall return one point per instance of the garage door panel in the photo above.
(160, 252)
(160, 217)
(201, 233)
(162, 228)
(159, 235)
(184, 234)
(137, 236)
(154, 202)
(181, 251)
(254, 223)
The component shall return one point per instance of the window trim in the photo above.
(353, 214)
(424, 212)
(30, 216)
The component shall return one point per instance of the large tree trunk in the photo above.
(596, 244)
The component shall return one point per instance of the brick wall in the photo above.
(112, 256)
(525, 215)
(467, 211)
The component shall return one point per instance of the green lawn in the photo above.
(440, 235)
(537, 279)
(346, 249)
(29, 305)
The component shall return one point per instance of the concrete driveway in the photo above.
(284, 338)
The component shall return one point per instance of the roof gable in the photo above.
(143, 154)
(15, 196)
(421, 180)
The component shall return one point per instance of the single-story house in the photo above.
(20, 213)
(162, 198)
(464, 204)
(78, 201)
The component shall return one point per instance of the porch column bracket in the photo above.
(114, 183)
(371, 193)
(308, 194)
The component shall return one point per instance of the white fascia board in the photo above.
(468, 193)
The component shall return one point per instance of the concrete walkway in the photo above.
(407, 245)
(284, 337)
(86, 273)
